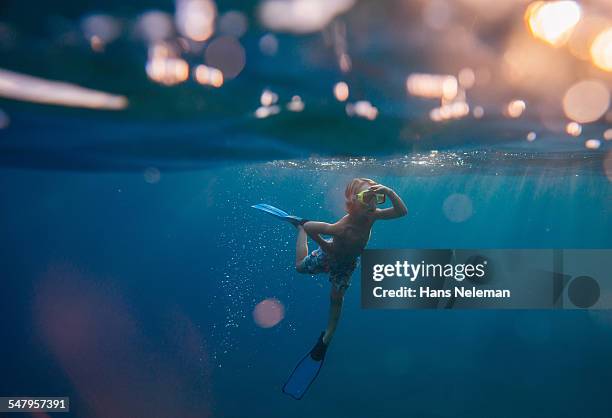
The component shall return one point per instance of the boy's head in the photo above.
(353, 205)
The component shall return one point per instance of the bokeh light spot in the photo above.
(454, 110)
(584, 34)
(362, 109)
(296, 104)
(152, 175)
(268, 313)
(553, 21)
(592, 144)
(208, 76)
(478, 112)
(586, 101)
(268, 98)
(38, 90)
(457, 208)
(573, 129)
(268, 44)
(515, 108)
(263, 112)
(301, 16)
(164, 68)
(100, 29)
(226, 54)
(601, 50)
(432, 86)
(154, 26)
(195, 19)
(233, 23)
(341, 91)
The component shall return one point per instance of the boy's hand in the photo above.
(399, 208)
(379, 188)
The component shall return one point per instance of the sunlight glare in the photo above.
(553, 21)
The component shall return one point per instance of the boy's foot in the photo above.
(318, 351)
(296, 221)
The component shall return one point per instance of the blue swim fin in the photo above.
(306, 371)
(279, 214)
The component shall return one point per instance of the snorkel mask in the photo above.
(362, 197)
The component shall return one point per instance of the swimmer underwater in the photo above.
(336, 256)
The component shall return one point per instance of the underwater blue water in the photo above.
(133, 294)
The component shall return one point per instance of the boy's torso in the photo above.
(352, 237)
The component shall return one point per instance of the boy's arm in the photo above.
(398, 210)
(315, 229)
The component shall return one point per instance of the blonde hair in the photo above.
(352, 188)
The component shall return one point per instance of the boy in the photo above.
(349, 236)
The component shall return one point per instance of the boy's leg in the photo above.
(335, 308)
(301, 246)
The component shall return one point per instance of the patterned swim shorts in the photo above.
(340, 271)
